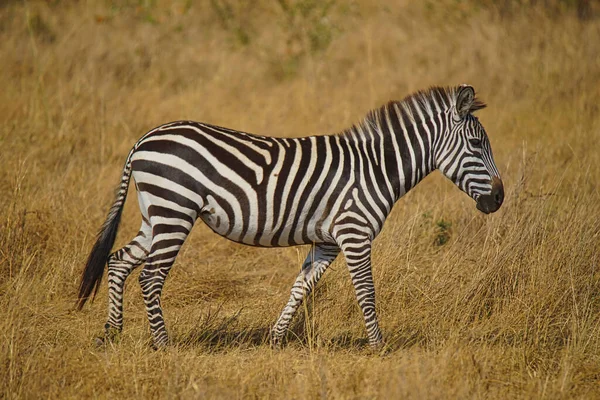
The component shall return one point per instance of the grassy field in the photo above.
(472, 306)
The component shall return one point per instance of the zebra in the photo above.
(333, 192)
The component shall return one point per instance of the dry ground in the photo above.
(472, 306)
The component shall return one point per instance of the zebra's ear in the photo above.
(465, 100)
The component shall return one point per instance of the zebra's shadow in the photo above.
(224, 339)
(220, 340)
(215, 332)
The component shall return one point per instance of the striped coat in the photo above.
(333, 192)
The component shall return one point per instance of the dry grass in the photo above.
(507, 307)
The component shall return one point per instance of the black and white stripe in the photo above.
(333, 192)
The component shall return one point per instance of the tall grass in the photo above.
(472, 306)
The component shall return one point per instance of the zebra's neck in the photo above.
(399, 139)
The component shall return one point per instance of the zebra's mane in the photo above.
(419, 103)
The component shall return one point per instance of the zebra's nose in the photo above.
(490, 203)
(497, 191)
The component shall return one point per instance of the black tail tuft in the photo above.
(94, 268)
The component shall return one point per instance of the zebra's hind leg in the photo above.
(169, 231)
(120, 265)
(318, 259)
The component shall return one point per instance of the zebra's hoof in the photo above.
(379, 348)
(111, 333)
(160, 344)
(276, 345)
(276, 342)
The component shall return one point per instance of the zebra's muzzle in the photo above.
(489, 203)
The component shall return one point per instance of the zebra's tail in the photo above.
(94, 268)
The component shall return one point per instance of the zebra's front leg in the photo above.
(358, 258)
(318, 259)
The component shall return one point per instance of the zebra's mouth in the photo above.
(489, 203)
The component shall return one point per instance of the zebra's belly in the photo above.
(255, 234)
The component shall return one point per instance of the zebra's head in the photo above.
(465, 154)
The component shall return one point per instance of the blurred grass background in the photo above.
(472, 306)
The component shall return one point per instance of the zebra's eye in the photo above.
(475, 142)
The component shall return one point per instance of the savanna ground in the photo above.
(472, 306)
